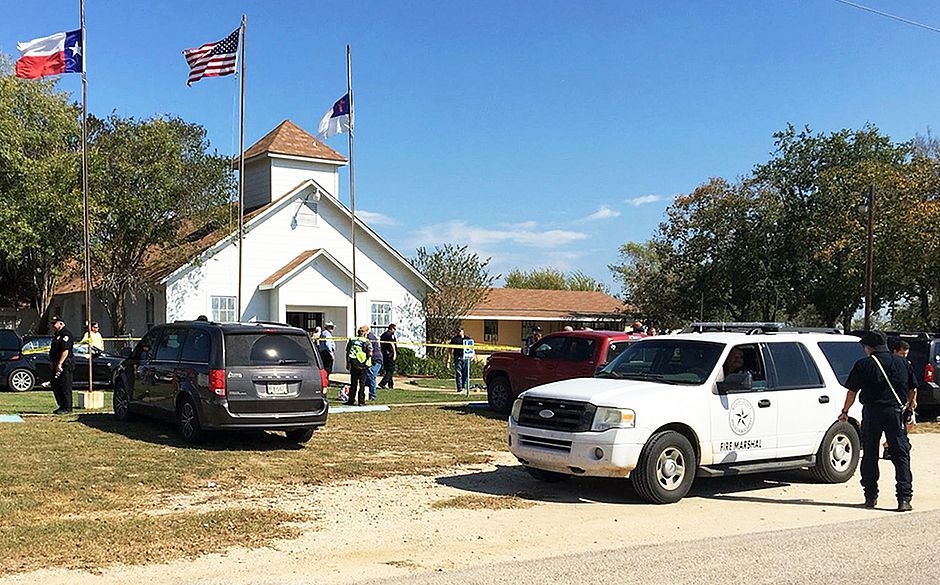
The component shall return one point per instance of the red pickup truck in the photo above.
(557, 356)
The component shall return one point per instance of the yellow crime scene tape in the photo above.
(483, 347)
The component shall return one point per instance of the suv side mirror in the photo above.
(736, 382)
(525, 351)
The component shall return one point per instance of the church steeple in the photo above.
(283, 158)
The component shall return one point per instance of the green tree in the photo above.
(552, 279)
(40, 182)
(715, 258)
(655, 293)
(461, 282)
(153, 182)
(820, 180)
(908, 211)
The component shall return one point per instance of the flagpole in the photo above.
(241, 170)
(85, 213)
(352, 180)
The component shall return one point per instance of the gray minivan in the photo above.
(211, 376)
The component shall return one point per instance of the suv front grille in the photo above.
(556, 415)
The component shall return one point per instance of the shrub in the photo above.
(409, 364)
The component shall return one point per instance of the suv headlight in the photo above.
(613, 418)
(516, 409)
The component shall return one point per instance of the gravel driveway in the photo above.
(398, 529)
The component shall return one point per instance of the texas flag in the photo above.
(52, 55)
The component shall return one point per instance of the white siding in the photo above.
(286, 174)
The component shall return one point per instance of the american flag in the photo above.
(212, 59)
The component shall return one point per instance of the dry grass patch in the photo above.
(480, 502)
(87, 491)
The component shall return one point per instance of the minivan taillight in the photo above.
(217, 382)
(929, 373)
(324, 381)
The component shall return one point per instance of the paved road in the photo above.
(839, 554)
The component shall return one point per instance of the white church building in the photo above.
(296, 258)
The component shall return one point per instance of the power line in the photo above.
(891, 16)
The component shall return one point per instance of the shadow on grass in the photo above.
(513, 480)
(476, 409)
(160, 432)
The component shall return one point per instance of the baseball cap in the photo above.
(329, 324)
(56, 319)
(874, 339)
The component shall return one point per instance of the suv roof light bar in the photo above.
(754, 327)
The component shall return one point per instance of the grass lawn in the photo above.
(79, 489)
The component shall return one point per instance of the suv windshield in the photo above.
(673, 361)
(267, 349)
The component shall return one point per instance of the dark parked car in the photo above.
(205, 376)
(10, 344)
(29, 367)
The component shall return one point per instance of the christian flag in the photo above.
(335, 120)
(52, 55)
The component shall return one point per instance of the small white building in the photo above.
(297, 257)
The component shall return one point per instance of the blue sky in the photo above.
(541, 134)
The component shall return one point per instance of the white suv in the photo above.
(665, 411)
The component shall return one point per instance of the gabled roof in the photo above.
(291, 140)
(299, 263)
(534, 304)
(260, 214)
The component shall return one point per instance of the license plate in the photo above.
(277, 388)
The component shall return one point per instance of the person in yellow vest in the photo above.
(358, 362)
(95, 338)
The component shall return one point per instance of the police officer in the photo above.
(887, 384)
(62, 362)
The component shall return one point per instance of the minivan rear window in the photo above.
(268, 349)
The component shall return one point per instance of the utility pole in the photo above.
(869, 255)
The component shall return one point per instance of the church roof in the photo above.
(290, 139)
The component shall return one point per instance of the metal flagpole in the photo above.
(85, 212)
(352, 180)
(241, 171)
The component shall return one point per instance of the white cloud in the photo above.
(372, 218)
(480, 238)
(603, 213)
(643, 200)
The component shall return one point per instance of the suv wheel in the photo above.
(300, 436)
(666, 468)
(120, 402)
(187, 419)
(838, 454)
(21, 380)
(498, 392)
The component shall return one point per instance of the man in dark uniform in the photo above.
(62, 362)
(887, 385)
(389, 356)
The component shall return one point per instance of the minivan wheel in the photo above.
(120, 402)
(21, 380)
(187, 419)
(300, 436)
(497, 394)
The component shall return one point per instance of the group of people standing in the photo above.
(367, 355)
